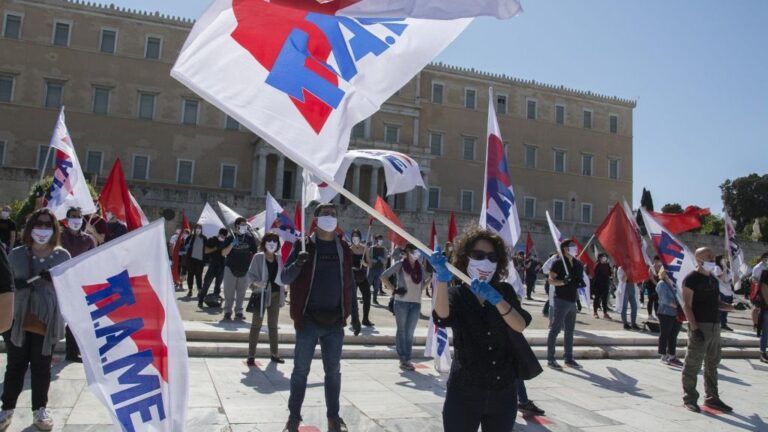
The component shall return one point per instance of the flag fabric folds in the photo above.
(69, 187)
(210, 221)
(431, 9)
(675, 256)
(433, 237)
(300, 76)
(528, 245)
(177, 245)
(622, 243)
(633, 217)
(382, 207)
(115, 198)
(739, 266)
(452, 230)
(119, 303)
(589, 263)
(278, 221)
(678, 223)
(230, 216)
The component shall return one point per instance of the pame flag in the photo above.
(438, 345)
(432, 9)
(675, 256)
(278, 221)
(118, 300)
(68, 188)
(739, 266)
(299, 75)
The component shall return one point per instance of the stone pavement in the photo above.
(605, 396)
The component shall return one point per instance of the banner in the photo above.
(119, 303)
(382, 207)
(619, 238)
(115, 198)
(675, 256)
(69, 188)
(677, 223)
(278, 221)
(739, 266)
(438, 344)
(210, 221)
(431, 9)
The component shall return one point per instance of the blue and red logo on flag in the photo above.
(62, 184)
(499, 186)
(671, 253)
(308, 49)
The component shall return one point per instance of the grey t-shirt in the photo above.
(326, 282)
(19, 260)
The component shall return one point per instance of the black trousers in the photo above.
(601, 300)
(30, 355)
(467, 409)
(365, 293)
(653, 300)
(215, 272)
(669, 329)
(195, 274)
(73, 351)
(529, 286)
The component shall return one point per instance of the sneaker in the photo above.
(692, 407)
(572, 364)
(200, 304)
(716, 403)
(42, 419)
(276, 359)
(6, 416)
(664, 359)
(636, 327)
(627, 326)
(250, 362)
(596, 316)
(674, 361)
(227, 316)
(764, 357)
(554, 365)
(726, 328)
(239, 316)
(292, 425)
(368, 323)
(407, 366)
(530, 408)
(337, 425)
(606, 316)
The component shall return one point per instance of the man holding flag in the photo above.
(565, 276)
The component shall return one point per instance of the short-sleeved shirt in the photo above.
(568, 292)
(7, 226)
(706, 296)
(215, 257)
(239, 258)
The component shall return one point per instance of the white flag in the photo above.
(433, 9)
(739, 266)
(230, 216)
(438, 344)
(273, 210)
(300, 76)
(119, 302)
(210, 221)
(69, 188)
(675, 256)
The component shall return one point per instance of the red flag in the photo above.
(622, 242)
(452, 231)
(382, 207)
(677, 223)
(584, 257)
(116, 199)
(433, 237)
(528, 245)
(177, 248)
(297, 216)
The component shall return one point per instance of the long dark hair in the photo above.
(32, 219)
(467, 242)
(269, 237)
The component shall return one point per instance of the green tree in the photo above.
(22, 208)
(672, 208)
(646, 201)
(746, 199)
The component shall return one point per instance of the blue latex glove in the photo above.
(483, 289)
(439, 263)
(234, 241)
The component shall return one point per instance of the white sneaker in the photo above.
(42, 419)
(665, 359)
(6, 416)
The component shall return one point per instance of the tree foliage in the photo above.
(746, 199)
(672, 208)
(21, 209)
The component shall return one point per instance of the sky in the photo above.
(698, 70)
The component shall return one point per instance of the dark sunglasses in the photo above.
(481, 255)
(42, 224)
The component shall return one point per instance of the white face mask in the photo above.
(109, 216)
(271, 246)
(573, 251)
(327, 223)
(5, 214)
(75, 223)
(41, 235)
(481, 269)
(355, 240)
(198, 231)
(379, 242)
(415, 255)
(221, 238)
(709, 266)
(242, 229)
(603, 260)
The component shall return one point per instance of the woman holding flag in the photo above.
(268, 295)
(483, 380)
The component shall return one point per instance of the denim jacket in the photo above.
(667, 298)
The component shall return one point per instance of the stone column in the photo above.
(298, 183)
(255, 172)
(425, 193)
(356, 179)
(374, 183)
(279, 177)
(261, 174)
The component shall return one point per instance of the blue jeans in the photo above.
(724, 314)
(630, 298)
(331, 341)
(467, 409)
(563, 318)
(406, 319)
(764, 333)
(522, 393)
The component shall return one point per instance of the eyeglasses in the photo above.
(42, 224)
(481, 255)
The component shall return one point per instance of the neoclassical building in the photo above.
(569, 151)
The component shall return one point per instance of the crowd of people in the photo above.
(321, 279)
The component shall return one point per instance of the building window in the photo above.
(61, 33)
(531, 109)
(2, 153)
(231, 124)
(154, 47)
(190, 112)
(42, 153)
(436, 144)
(529, 207)
(100, 100)
(469, 148)
(358, 131)
(587, 120)
(613, 123)
(558, 208)
(437, 92)
(146, 106)
(6, 88)
(93, 162)
(470, 99)
(501, 104)
(586, 213)
(12, 26)
(467, 200)
(391, 134)
(228, 176)
(560, 114)
(613, 169)
(559, 161)
(434, 197)
(185, 171)
(54, 93)
(140, 167)
(108, 41)
(530, 156)
(586, 164)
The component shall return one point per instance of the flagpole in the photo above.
(303, 203)
(48, 153)
(591, 239)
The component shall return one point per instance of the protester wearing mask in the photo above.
(359, 270)
(238, 250)
(195, 247)
(531, 268)
(377, 259)
(483, 378)
(322, 292)
(566, 276)
(95, 225)
(723, 275)
(182, 258)
(38, 323)
(76, 242)
(701, 303)
(213, 248)
(650, 286)
(669, 324)
(601, 285)
(115, 228)
(268, 295)
(7, 229)
(412, 277)
(629, 296)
